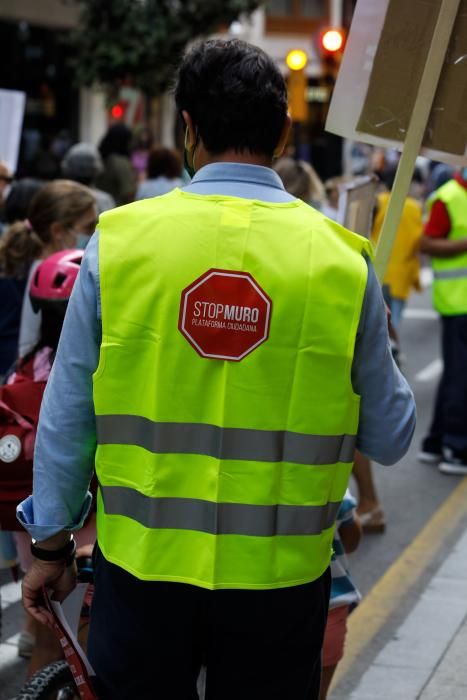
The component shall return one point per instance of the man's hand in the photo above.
(55, 575)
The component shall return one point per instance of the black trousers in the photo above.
(449, 425)
(149, 639)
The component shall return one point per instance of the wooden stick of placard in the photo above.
(416, 131)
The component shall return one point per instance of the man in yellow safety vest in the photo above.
(224, 353)
(445, 240)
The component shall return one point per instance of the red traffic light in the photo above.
(117, 111)
(332, 40)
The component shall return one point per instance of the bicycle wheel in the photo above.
(53, 682)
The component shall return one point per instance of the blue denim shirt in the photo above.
(66, 438)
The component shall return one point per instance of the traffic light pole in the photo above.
(336, 13)
(416, 131)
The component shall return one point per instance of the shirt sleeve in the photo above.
(439, 223)
(66, 435)
(387, 406)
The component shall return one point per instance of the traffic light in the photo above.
(296, 61)
(331, 44)
(328, 154)
(332, 40)
(118, 111)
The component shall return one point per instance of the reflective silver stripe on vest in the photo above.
(224, 443)
(217, 518)
(450, 274)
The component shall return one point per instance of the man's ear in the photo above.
(283, 138)
(191, 131)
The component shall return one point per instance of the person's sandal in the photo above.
(373, 521)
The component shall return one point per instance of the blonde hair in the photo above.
(300, 179)
(60, 201)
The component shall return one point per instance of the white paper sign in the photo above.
(12, 104)
(68, 615)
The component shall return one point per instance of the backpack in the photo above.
(20, 401)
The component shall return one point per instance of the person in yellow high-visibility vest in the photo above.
(445, 241)
(224, 352)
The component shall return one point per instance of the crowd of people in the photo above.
(47, 224)
(44, 227)
(64, 215)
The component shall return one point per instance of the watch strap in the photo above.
(65, 553)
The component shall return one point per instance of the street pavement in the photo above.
(12, 668)
(409, 635)
(416, 497)
(425, 659)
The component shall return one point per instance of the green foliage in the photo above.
(139, 42)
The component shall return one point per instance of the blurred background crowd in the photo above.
(127, 165)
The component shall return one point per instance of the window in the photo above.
(298, 16)
(313, 8)
(279, 8)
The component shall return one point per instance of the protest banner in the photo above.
(402, 84)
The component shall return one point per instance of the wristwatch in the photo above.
(65, 553)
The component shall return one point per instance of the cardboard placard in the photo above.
(403, 84)
(377, 86)
(356, 204)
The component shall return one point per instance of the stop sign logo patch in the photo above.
(224, 314)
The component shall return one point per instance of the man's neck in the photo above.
(232, 156)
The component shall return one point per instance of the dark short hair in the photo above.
(164, 161)
(235, 94)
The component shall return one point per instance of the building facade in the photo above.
(34, 36)
(284, 25)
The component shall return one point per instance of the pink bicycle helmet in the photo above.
(54, 278)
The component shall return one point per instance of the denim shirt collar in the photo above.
(238, 172)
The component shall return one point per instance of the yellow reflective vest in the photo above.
(214, 472)
(450, 274)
